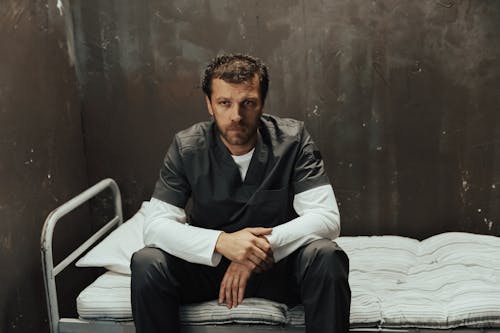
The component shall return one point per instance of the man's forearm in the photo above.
(318, 218)
(166, 229)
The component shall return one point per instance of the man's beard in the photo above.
(238, 134)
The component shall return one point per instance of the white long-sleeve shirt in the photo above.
(166, 228)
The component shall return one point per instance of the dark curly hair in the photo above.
(235, 68)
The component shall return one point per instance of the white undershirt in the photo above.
(166, 228)
(243, 162)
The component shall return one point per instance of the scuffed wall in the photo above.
(42, 160)
(401, 96)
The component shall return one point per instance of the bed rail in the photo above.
(49, 271)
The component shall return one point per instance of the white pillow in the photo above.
(114, 251)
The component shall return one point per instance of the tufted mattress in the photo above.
(446, 281)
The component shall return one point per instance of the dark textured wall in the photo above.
(41, 158)
(401, 96)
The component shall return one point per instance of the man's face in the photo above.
(236, 108)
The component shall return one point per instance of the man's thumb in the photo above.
(261, 231)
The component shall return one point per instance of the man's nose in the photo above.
(236, 113)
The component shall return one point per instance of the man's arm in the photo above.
(318, 218)
(314, 202)
(165, 227)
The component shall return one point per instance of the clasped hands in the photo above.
(249, 251)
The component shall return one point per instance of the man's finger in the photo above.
(249, 264)
(260, 231)
(266, 265)
(270, 259)
(234, 291)
(227, 290)
(263, 265)
(222, 290)
(241, 290)
(258, 254)
(263, 244)
(261, 248)
(255, 260)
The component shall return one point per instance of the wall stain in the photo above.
(6, 242)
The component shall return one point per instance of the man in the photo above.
(263, 213)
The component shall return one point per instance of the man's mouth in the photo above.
(236, 129)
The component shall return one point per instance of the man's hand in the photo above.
(248, 247)
(232, 287)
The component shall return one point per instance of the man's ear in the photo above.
(209, 105)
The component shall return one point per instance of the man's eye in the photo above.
(249, 103)
(225, 103)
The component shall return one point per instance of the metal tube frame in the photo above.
(49, 271)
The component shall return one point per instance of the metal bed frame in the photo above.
(75, 325)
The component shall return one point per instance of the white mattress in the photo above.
(446, 281)
(108, 298)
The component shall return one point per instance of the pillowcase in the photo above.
(114, 251)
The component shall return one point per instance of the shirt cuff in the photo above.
(216, 256)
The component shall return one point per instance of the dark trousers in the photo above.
(315, 275)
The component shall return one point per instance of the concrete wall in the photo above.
(402, 97)
(42, 160)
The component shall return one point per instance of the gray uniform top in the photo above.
(198, 164)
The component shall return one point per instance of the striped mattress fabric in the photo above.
(446, 281)
(108, 298)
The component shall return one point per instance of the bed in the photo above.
(448, 282)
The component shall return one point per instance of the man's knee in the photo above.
(326, 260)
(146, 259)
(151, 265)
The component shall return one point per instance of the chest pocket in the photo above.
(270, 207)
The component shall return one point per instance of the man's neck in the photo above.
(238, 150)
